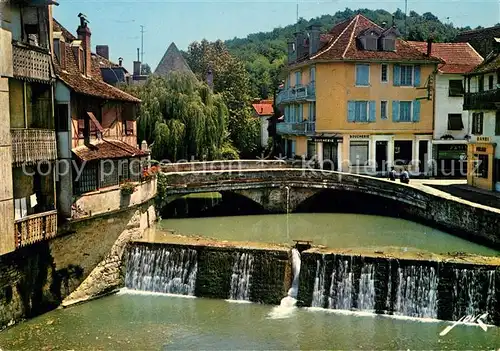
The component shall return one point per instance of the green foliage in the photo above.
(161, 190)
(231, 80)
(127, 188)
(145, 69)
(229, 152)
(265, 53)
(181, 118)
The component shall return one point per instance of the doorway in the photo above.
(403, 152)
(330, 156)
(381, 156)
(423, 150)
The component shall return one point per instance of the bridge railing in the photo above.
(230, 165)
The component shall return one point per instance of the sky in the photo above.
(118, 23)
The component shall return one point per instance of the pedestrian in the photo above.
(392, 174)
(405, 177)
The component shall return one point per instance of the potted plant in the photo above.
(127, 188)
(150, 173)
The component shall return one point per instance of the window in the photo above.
(383, 109)
(313, 74)
(312, 111)
(490, 82)
(477, 123)
(371, 43)
(362, 75)
(358, 153)
(311, 149)
(482, 166)
(383, 75)
(456, 87)
(497, 123)
(405, 111)
(455, 121)
(298, 78)
(128, 127)
(406, 75)
(81, 128)
(480, 84)
(61, 114)
(388, 44)
(361, 111)
(403, 152)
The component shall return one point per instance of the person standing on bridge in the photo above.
(405, 176)
(392, 174)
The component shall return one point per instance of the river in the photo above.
(334, 230)
(155, 322)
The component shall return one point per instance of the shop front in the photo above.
(450, 160)
(481, 164)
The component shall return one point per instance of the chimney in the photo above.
(103, 51)
(137, 65)
(384, 24)
(314, 38)
(120, 61)
(300, 49)
(429, 47)
(292, 53)
(84, 33)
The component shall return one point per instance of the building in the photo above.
(359, 98)
(96, 128)
(28, 151)
(480, 39)
(451, 122)
(112, 73)
(264, 111)
(172, 61)
(482, 100)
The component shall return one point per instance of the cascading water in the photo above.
(287, 304)
(341, 286)
(366, 295)
(318, 299)
(388, 301)
(240, 279)
(416, 293)
(161, 269)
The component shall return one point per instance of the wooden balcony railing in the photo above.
(484, 100)
(31, 62)
(35, 228)
(30, 146)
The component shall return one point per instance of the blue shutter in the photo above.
(351, 111)
(313, 74)
(287, 113)
(416, 111)
(298, 78)
(395, 111)
(416, 75)
(301, 113)
(293, 147)
(397, 75)
(373, 111)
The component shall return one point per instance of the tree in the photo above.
(231, 80)
(181, 118)
(145, 69)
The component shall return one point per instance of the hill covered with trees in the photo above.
(265, 53)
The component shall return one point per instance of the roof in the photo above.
(490, 64)
(172, 61)
(458, 58)
(107, 149)
(342, 44)
(92, 86)
(263, 109)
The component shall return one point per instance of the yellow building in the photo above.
(358, 99)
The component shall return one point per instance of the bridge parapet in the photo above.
(226, 165)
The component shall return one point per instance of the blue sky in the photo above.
(117, 23)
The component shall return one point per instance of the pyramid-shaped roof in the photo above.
(172, 61)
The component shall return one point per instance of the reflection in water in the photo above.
(334, 230)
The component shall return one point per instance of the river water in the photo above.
(334, 230)
(158, 322)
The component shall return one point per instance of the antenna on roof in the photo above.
(297, 25)
(142, 43)
(406, 13)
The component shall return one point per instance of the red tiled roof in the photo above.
(342, 45)
(264, 109)
(94, 85)
(107, 149)
(458, 57)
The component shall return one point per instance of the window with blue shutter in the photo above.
(416, 111)
(362, 75)
(351, 109)
(405, 113)
(416, 74)
(298, 78)
(383, 109)
(395, 111)
(396, 76)
(293, 147)
(300, 115)
(312, 111)
(373, 111)
(313, 74)
(406, 76)
(287, 114)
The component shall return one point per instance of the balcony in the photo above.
(297, 93)
(302, 128)
(485, 100)
(31, 63)
(35, 228)
(30, 146)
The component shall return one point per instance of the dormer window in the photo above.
(388, 44)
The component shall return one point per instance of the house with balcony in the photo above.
(32, 136)
(451, 122)
(96, 131)
(482, 101)
(359, 98)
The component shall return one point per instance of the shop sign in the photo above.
(484, 139)
(360, 136)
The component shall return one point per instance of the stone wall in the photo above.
(222, 165)
(39, 277)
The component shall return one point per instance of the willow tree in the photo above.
(181, 118)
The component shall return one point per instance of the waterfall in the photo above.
(287, 304)
(341, 286)
(240, 279)
(417, 292)
(366, 295)
(470, 296)
(388, 301)
(318, 299)
(162, 269)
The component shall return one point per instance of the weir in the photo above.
(240, 279)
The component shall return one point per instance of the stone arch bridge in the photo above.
(282, 190)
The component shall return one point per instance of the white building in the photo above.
(263, 110)
(451, 122)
